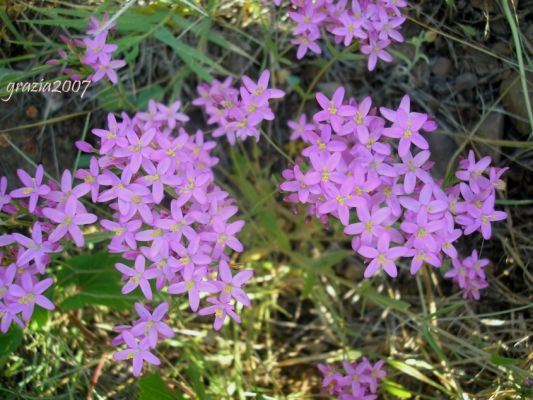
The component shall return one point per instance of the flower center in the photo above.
(421, 233)
(28, 299)
(228, 288)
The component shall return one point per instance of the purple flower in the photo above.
(307, 41)
(469, 275)
(230, 286)
(370, 224)
(382, 256)
(303, 184)
(180, 224)
(483, 217)
(423, 231)
(406, 127)
(224, 235)
(376, 49)
(67, 193)
(350, 29)
(29, 294)
(111, 137)
(136, 350)
(106, 68)
(300, 127)
(412, 169)
(333, 110)
(90, 179)
(36, 250)
(158, 177)
(4, 198)
(322, 143)
(193, 283)
(170, 115)
(33, 187)
(221, 311)
(257, 89)
(124, 233)
(472, 172)
(150, 325)
(308, 18)
(341, 200)
(68, 222)
(138, 276)
(98, 49)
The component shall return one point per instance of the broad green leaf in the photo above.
(96, 280)
(152, 386)
(9, 342)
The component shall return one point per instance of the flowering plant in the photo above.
(372, 173)
(92, 53)
(375, 23)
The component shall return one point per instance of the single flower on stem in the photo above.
(33, 188)
(138, 351)
(382, 256)
(138, 276)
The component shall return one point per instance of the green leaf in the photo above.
(39, 318)
(395, 389)
(503, 361)
(330, 259)
(152, 386)
(366, 290)
(415, 373)
(96, 280)
(9, 342)
(434, 345)
(190, 56)
(112, 100)
(202, 29)
(468, 30)
(152, 92)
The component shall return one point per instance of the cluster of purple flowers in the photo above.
(142, 336)
(93, 53)
(170, 219)
(373, 174)
(357, 381)
(469, 275)
(237, 113)
(375, 23)
(56, 214)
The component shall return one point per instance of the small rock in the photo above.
(353, 273)
(491, 128)
(440, 86)
(500, 27)
(484, 64)
(465, 81)
(442, 149)
(442, 66)
(513, 99)
(502, 48)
